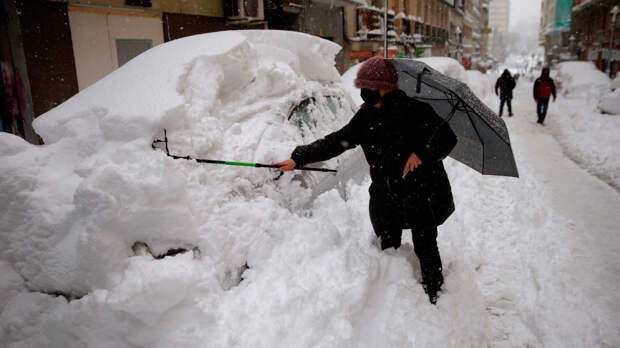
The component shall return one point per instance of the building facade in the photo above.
(416, 28)
(595, 35)
(554, 32)
(52, 49)
(323, 18)
(455, 40)
(499, 15)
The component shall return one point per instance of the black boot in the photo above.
(432, 282)
(425, 247)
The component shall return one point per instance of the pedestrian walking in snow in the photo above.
(505, 83)
(544, 87)
(404, 142)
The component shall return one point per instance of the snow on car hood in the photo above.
(580, 80)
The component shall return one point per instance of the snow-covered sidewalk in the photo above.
(577, 286)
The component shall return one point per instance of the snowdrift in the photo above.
(109, 243)
(580, 80)
(584, 120)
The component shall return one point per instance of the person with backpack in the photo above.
(544, 88)
(404, 142)
(505, 84)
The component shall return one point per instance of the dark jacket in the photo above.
(388, 136)
(505, 83)
(544, 77)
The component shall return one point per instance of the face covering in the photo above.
(370, 97)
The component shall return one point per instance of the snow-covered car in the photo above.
(96, 189)
(579, 80)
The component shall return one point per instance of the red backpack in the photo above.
(544, 89)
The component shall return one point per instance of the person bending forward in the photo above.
(404, 142)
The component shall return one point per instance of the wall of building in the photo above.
(499, 15)
(95, 32)
(327, 22)
(47, 44)
(592, 32)
(213, 8)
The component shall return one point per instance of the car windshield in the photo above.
(309, 111)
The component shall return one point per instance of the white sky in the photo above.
(521, 11)
(525, 19)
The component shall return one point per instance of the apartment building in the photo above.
(52, 49)
(499, 15)
(595, 33)
(415, 28)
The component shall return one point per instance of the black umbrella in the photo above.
(484, 144)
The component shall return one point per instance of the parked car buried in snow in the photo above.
(240, 96)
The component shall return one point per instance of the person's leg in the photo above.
(539, 110)
(509, 103)
(543, 112)
(501, 106)
(425, 247)
(390, 238)
(385, 223)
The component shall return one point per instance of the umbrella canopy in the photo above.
(483, 141)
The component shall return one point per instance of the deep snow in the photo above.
(588, 135)
(526, 263)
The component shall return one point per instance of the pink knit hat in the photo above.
(377, 73)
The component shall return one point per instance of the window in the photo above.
(127, 49)
(141, 3)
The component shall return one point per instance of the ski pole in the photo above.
(231, 163)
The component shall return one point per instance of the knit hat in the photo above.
(377, 73)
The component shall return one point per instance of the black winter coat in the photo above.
(388, 136)
(505, 84)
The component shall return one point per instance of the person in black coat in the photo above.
(505, 84)
(544, 87)
(404, 142)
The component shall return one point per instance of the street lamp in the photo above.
(614, 13)
(385, 29)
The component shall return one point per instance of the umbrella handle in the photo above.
(419, 82)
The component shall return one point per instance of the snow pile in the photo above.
(348, 81)
(615, 83)
(480, 84)
(587, 135)
(109, 243)
(447, 66)
(610, 103)
(580, 80)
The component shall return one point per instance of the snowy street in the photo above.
(108, 242)
(575, 284)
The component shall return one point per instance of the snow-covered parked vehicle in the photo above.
(76, 207)
(580, 80)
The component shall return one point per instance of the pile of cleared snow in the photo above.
(615, 83)
(447, 66)
(610, 102)
(581, 80)
(348, 79)
(89, 214)
(588, 136)
(480, 84)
